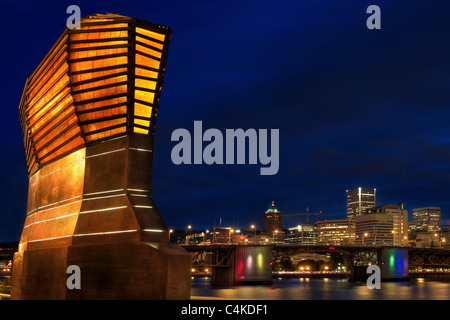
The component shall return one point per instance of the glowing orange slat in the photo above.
(149, 42)
(146, 61)
(48, 74)
(106, 26)
(102, 114)
(144, 96)
(62, 140)
(93, 75)
(51, 107)
(146, 84)
(140, 130)
(97, 44)
(100, 83)
(146, 50)
(151, 34)
(142, 122)
(100, 93)
(146, 73)
(142, 110)
(95, 53)
(104, 124)
(102, 103)
(98, 35)
(49, 136)
(58, 118)
(38, 101)
(77, 142)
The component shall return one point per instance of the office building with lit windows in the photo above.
(399, 229)
(303, 233)
(221, 235)
(358, 201)
(88, 115)
(426, 219)
(374, 229)
(335, 232)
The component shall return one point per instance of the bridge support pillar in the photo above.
(394, 264)
(223, 274)
(243, 265)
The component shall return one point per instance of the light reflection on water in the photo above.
(325, 289)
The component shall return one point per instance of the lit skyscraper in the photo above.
(272, 220)
(358, 201)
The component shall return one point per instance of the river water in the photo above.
(324, 289)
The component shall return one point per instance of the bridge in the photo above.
(232, 264)
(7, 250)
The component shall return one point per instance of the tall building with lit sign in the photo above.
(272, 224)
(358, 201)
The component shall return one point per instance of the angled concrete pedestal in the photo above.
(93, 209)
(113, 271)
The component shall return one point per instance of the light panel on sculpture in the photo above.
(100, 80)
(149, 51)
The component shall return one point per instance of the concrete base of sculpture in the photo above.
(94, 209)
(110, 271)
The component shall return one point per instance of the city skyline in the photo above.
(261, 222)
(354, 107)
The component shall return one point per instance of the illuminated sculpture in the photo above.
(88, 116)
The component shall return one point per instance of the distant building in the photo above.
(272, 220)
(358, 201)
(221, 235)
(421, 239)
(375, 229)
(335, 232)
(196, 238)
(399, 228)
(426, 219)
(304, 233)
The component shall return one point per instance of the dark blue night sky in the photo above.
(355, 107)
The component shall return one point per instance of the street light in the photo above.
(253, 227)
(365, 236)
(229, 236)
(441, 240)
(189, 227)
